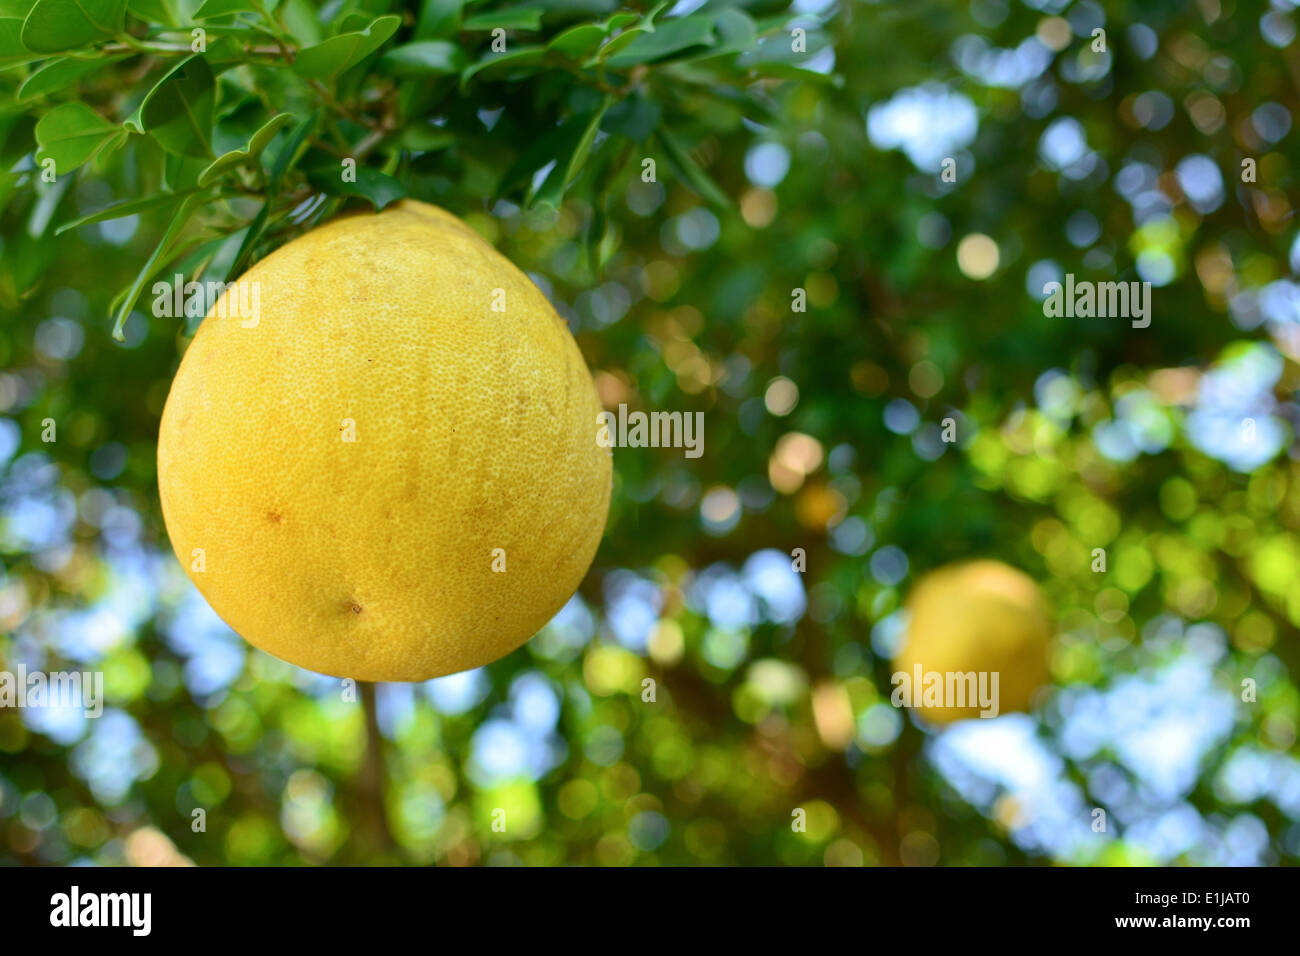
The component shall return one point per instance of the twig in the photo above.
(371, 781)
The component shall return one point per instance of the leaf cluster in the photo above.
(242, 121)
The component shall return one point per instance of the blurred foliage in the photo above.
(778, 172)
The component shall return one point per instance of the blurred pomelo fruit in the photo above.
(345, 478)
(982, 617)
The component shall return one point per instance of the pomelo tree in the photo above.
(825, 227)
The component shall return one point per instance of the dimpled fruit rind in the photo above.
(371, 472)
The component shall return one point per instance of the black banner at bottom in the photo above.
(340, 906)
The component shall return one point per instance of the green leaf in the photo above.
(222, 8)
(351, 22)
(616, 44)
(623, 22)
(238, 117)
(535, 155)
(580, 132)
(423, 137)
(787, 71)
(12, 51)
(577, 42)
(669, 37)
(594, 236)
(438, 19)
(302, 20)
(690, 170)
(776, 49)
(71, 134)
(211, 261)
(224, 52)
(48, 197)
(424, 58)
(16, 9)
(617, 22)
(736, 33)
(195, 260)
(220, 265)
(182, 172)
(649, 19)
(165, 244)
(60, 74)
(634, 118)
(177, 112)
(252, 233)
(56, 25)
(523, 56)
(236, 157)
(335, 56)
(288, 153)
(26, 262)
(178, 252)
(372, 185)
(775, 24)
(511, 18)
(191, 263)
(130, 207)
(172, 13)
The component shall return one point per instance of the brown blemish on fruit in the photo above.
(351, 605)
(274, 517)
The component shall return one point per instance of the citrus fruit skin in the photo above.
(980, 616)
(473, 430)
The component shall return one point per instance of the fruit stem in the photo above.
(372, 781)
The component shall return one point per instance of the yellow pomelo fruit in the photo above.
(346, 468)
(982, 617)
